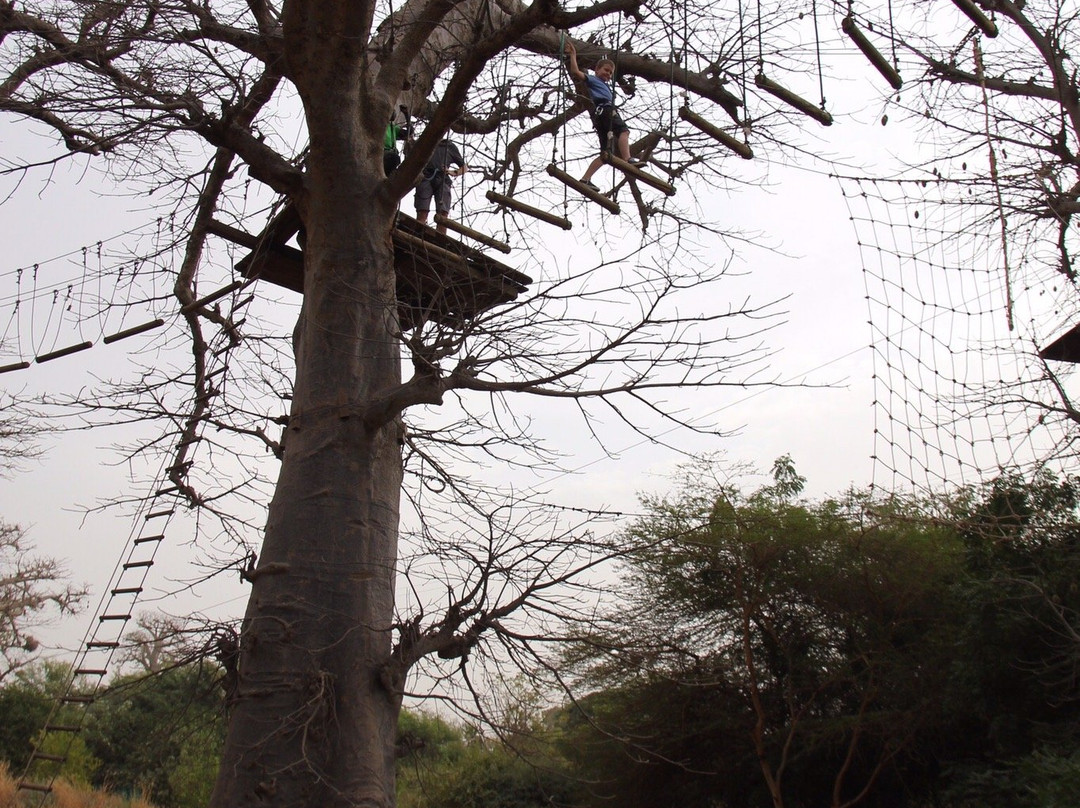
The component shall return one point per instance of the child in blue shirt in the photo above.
(610, 128)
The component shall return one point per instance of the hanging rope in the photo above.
(995, 179)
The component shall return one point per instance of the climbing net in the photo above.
(960, 300)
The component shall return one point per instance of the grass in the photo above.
(64, 795)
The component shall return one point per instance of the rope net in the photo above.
(958, 307)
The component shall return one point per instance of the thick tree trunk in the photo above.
(311, 723)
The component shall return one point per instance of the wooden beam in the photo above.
(638, 174)
(742, 149)
(475, 235)
(605, 202)
(788, 97)
(529, 210)
(872, 53)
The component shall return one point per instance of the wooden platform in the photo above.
(1065, 348)
(439, 279)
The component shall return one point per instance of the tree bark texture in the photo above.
(312, 722)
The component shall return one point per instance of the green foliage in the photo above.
(160, 734)
(841, 652)
(446, 767)
(26, 701)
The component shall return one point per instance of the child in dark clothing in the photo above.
(435, 183)
(610, 128)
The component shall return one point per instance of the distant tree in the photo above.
(772, 641)
(160, 733)
(33, 591)
(26, 700)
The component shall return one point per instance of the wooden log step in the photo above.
(974, 13)
(157, 514)
(90, 671)
(638, 174)
(529, 210)
(873, 54)
(76, 699)
(50, 758)
(102, 644)
(34, 787)
(475, 235)
(716, 133)
(127, 590)
(788, 97)
(47, 357)
(131, 565)
(105, 617)
(14, 366)
(605, 202)
(145, 539)
(212, 297)
(131, 332)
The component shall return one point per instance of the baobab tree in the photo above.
(139, 87)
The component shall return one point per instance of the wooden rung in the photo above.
(475, 235)
(210, 298)
(50, 758)
(63, 728)
(14, 366)
(145, 539)
(127, 590)
(172, 489)
(34, 787)
(90, 671)
(232, 234)
(156, 514)
(131, 332)
(105, 617)
(528, 210)
(76, 699)
(217, 372)
(638, 174)
(742, 149)
(102, 644)
(788, 97)
(876, 59)
(605, 202)
(984, 23)
(136, 564)
(244, 302)
(46, 357)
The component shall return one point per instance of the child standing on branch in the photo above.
(610, 128)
